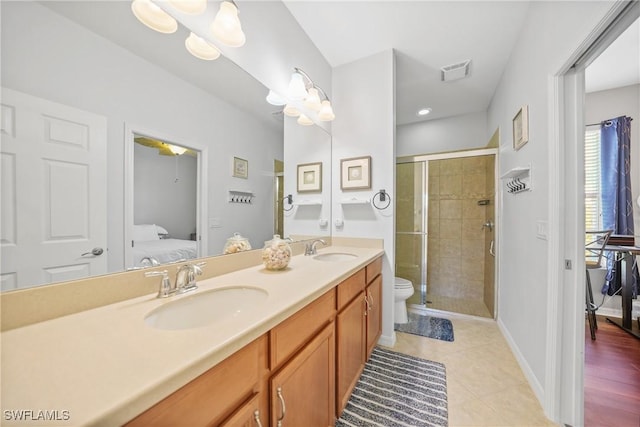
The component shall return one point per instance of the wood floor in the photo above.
(611, 378)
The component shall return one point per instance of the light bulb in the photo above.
(326, 112)
(153, 17)
(304, 120)
(190, 7)
(312, 101)
(275, 99)
(226, 26)
(291, 111)
(297, 89)
(177, 150)
(200, 48)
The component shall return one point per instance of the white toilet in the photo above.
(402, 290)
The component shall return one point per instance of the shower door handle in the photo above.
(491, 250)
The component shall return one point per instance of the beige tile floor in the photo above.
(485, 384)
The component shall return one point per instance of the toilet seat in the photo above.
(401, 283)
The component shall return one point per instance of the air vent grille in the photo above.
(455, 71)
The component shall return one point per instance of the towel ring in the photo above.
(289, 199)
(382, 195)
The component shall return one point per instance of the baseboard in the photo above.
(528, 373)
(388, 341)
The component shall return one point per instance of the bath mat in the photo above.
(398, 390)
(427, 326)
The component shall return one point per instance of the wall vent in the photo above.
(455, 71)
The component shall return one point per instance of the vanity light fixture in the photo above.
(200, 48)
(153, 17)
(302, 88)
(304, 120)
(423, 112)
(291, 111)
(275, 99)
(190, 7)
(226, 26)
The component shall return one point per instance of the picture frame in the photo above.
(240, 168)
(309, 177)
(355, 173)
(521, 128)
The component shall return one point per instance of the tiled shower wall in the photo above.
(457, 242)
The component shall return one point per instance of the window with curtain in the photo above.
(592, 181)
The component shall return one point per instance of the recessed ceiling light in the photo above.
(423, 112)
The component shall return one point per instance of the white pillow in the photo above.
(145, 232)
(161, 230)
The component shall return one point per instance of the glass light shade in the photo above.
(226, 26)
(291, 111)
(200, 48)
(312, 101)
(177, 150)
(304, 120)
(190, 7)
(275, 99)
(326, 112)
(153, 17)
(297, 89)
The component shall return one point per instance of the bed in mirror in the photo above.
(90, 80)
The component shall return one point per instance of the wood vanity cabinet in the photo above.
(215, 395)
(358, 327)
(374, 304)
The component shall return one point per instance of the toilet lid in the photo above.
(401, 283)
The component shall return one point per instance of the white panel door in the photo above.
(53, 207)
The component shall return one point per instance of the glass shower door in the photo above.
(411, 227)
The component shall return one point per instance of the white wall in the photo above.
(48, 56)
(609, 104)
(365, 126)
(165, 191)
(302, 145)
(464, 132)
(552, 32)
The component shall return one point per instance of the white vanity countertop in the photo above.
(104, 366)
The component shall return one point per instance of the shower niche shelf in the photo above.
(518, 180)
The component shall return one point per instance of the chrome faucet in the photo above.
(166, 289)
(186, 277)
(311, 249)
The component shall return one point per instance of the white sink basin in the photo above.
(205, 308)
(335, 257)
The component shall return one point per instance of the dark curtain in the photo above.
(617, 201)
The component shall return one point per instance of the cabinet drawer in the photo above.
(374, 269)
(290, 335)
(350, 287)
(212, 396)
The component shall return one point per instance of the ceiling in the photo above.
(426, 35)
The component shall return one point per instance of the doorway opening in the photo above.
(446, 230)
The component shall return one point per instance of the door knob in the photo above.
(94, 252)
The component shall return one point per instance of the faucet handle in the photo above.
(165, 285)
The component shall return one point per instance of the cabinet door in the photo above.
(374, 315)
(350, 349)
(247, 416)
(303, 391)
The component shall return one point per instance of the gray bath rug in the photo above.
(398, 390)
(427, 326)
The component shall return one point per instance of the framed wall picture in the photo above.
(355, 173)
(309, 177)
(521, 128)
(240, 168)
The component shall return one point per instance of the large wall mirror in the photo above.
(92, 104)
